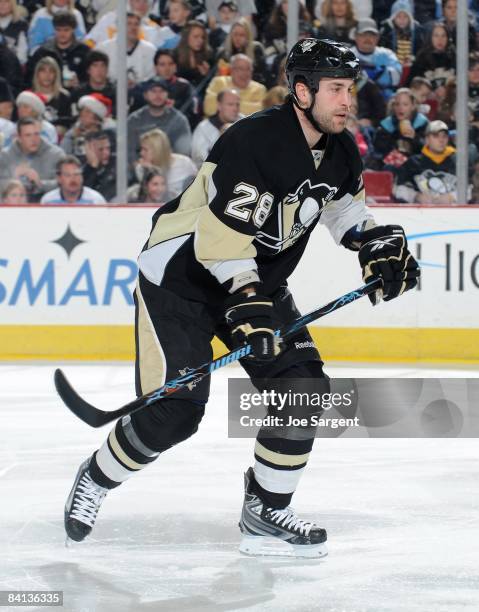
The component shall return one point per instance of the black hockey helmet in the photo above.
(313, 58)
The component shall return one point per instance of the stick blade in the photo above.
(83, 410)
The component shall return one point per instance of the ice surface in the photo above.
(402, 515)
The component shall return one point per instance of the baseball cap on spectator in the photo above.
(229, 4)
(402, 6)
(32, 99)
(97, 103)
(437, 126)
(365, 25)
(156, 82)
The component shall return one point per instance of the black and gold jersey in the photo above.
(250, 211)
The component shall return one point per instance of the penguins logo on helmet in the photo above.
(307, 45)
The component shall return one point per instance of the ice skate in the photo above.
(82, 505)
(269, 531)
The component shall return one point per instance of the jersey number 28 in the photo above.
(241, 208)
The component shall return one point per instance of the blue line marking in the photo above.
(443, 233)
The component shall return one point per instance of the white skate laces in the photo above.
(87, 500)
(287, 518)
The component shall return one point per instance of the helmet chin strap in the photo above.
(308, 112)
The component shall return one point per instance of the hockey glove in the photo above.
(384, 254)
(251, 320)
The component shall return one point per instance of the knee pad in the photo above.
(167, 422)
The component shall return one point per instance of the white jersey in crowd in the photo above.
(139, 61)
(106, 28)
(87, 196)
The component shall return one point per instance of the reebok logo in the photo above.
(303, 345)
(379, 244)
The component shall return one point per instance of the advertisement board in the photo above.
(67, 275)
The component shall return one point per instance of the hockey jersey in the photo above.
(250, 211)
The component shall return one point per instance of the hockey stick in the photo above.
(191, 376)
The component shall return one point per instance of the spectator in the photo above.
(158, 113)
(14, 194)
(436, 61)
(180, 90)
(96, 65)
(244, 8)
(426, 11)
(221, 25)
(152, 189)
(155, 151)
(275, 31)
(381, 64)
(7, 132)
(449, 11)
(30, 159)
(371, 102)
(362, 8)
(359, 134)
(337, 20)
(13, 29)
(106, 27)
(69, 53)
(30, 104)
(210, 129)
(430, 176)
(70, 188)
(41, 26)
(276, 61)
(275, 96)
(196, 9)
(7, 101)
(99, 171)
(47, 82)
(140, 54)
(422, 90)
(95, 110)
(446, 108)
(402, 33)
(251, 92)
(193, 55)
(473, 76)
(401, 133)
(179, 13)
(10, 68)
(240, 40)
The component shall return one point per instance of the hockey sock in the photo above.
(121, 455)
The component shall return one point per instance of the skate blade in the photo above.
(70, 543)
(260, 546)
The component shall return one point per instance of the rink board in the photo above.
(67, 275)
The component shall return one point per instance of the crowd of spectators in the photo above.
(194, 67)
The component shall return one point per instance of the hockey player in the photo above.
(217, 262)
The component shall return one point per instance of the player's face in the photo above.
(437, 142)
(165, 67)
(70, 180)
(332, 104)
